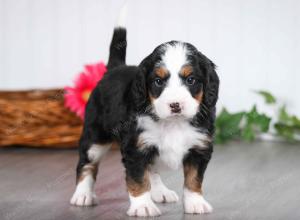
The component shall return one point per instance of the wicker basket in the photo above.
(37, 118)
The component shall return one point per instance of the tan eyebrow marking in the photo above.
(162, 72)
(186, 70)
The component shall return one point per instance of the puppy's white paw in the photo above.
(194, 203)
(84, 199)
(159, 192)
(142, 206)
(163, 194)
(84, 194)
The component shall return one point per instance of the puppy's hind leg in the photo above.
(159, 192)
(87, 169)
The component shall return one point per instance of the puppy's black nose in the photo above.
(175, 107)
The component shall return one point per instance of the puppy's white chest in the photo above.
(173, 138)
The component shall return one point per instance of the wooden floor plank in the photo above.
(243, 181)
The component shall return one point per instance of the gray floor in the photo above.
(243, 181)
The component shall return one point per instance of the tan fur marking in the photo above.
(186, 70)
(115, 145)
(89, 169)
(140, 142)
(199, 96)
(161, 72)
(135, 188)
(191, 179)
(151, 98)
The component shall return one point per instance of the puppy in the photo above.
(162, 114)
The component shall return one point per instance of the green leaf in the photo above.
(283, 115)
(285, 131)
(248, 133)
(295, 121)
(255, 122)
(262, 121)
(287, 125)
(269, 98)
(246, 125)
(227, 126)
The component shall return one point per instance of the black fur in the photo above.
(118, 46)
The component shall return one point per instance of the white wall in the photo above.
(255, 43)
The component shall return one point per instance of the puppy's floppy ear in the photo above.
(211, 90)
(138, 91)
(147, 64)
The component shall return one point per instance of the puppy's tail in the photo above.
(117, 51)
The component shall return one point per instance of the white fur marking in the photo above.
(84, 194)
(159, 192)
(97, 151)
(122, 16)
(174, 58)
(189, 105)
(173, 137)
(142, 206)
(194, 203)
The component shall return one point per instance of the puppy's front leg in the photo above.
(195, 164)
(138, 183)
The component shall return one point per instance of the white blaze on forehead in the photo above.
(175, 57)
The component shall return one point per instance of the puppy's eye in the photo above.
(158, 82)
(190, 80)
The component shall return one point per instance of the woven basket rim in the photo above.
(30, 94)
(11, 91)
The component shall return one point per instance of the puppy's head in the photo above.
(179, 79)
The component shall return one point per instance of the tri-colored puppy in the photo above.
(162, 114)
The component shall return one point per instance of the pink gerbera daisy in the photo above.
(76, 97)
